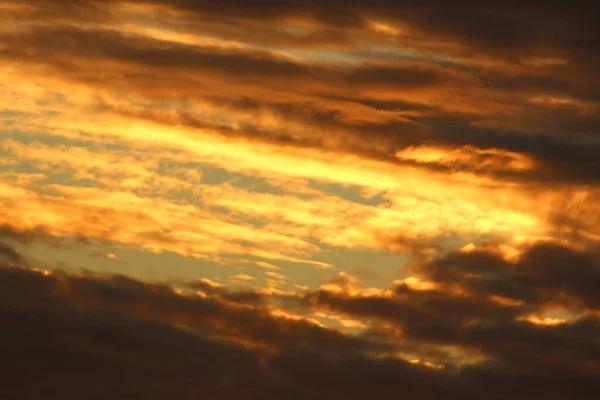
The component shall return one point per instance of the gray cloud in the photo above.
(74, 335)
(545, 277)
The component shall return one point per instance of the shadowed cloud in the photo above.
(128, 333)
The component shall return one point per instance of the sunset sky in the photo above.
(285, 199)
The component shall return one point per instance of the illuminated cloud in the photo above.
(341, 199)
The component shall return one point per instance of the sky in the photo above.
(299, 199)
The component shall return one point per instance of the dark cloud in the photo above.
(246, 67)
(546, 273)
(254, 297)
(8, 231)
(9, 254)
(483, 304)
(499, 28)
(67, 335)
(97, 336)
(433, 316)
(58, 350)
(559, 157)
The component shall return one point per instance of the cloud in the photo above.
(287, 134)
(9, 255)
(233, 67)
(483, 303)
(213, 316)
(297, 96)
(148, 339)
(508, 152)
(128, 333)
(545, 273)
(149, 189)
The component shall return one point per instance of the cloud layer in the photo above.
(341, 199)
(98, 335)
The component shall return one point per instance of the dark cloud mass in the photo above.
(544, 274)
(89, 335)
(482, 301)
(69, 335)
